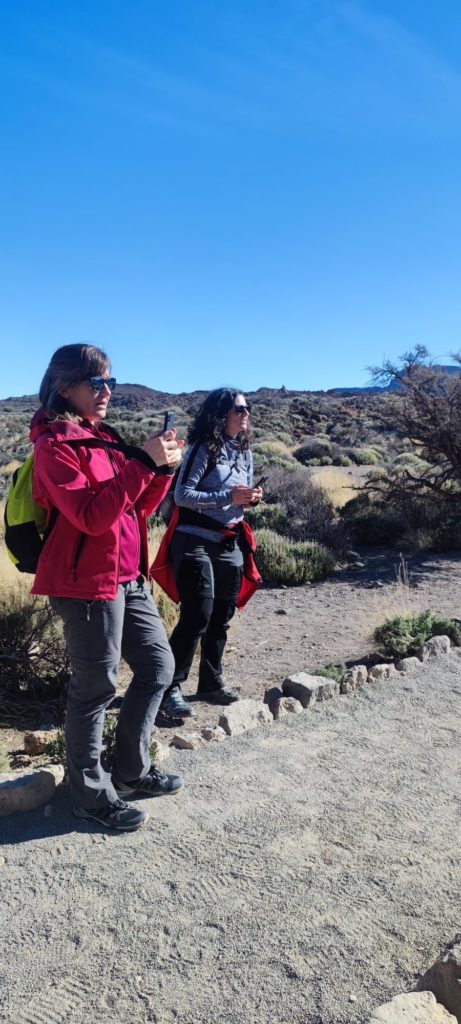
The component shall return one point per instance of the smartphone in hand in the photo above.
(169, 421)
(262, 480)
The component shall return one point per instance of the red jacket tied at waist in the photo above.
(161, 569)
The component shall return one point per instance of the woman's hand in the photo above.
(246, 496)
(164, 449)
(257, 496)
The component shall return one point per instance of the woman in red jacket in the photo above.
(93, 567)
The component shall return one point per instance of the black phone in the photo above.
(169, 421)
(262, 480)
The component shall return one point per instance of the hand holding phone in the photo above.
(169, 421)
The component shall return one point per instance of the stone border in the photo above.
(301, 690)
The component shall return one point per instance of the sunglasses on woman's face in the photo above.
(241, 409)
(98, 384)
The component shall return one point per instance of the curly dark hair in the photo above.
(210, 420)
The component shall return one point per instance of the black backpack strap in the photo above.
(190, 460)
(131, 451)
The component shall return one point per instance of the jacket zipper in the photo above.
(76, 558)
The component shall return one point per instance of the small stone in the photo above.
(309, 688)
(384, 671)
(215, 735)
(407, 665)
(281, 611)
(2, 862)
(438, 645)
(244, 715)
(359, 565)
(352, 998)
(355, 677)
(285, 706)
(443, 979)
(162, 752)
(35, 742)
(187, 740)
(272, 694)
(412, 1008)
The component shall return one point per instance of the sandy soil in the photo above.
(307, 873)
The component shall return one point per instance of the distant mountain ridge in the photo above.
(136, 397)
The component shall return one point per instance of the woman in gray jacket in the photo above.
(214, 487)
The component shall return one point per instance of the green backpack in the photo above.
(25, 521)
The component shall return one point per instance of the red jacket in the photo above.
(91, 489)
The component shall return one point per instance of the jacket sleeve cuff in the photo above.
(138, 453)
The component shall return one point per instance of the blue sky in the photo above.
(259, 193)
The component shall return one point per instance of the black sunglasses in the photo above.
(98, 383)
(241, 409)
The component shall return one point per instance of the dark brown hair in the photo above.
(69, 365)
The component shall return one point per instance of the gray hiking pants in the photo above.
(97, 634)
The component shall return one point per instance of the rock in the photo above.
(308, 688)
(243, 715)
(422, 653)
(384, 671)
(438, 645)
(272, 694)
(35, 742)
(162, 752)
(412, 1008)
(216, 735)
(443, 979)
(407, 665)
(187, 740)
(353, 678)
(285, 706)
(23, 791)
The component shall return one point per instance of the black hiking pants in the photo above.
(208, 577)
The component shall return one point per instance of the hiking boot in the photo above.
(224, 695)
(155, 783)
(118, 814)
(175, 706)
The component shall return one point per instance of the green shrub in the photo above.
(404, 634)
(292, 563)
(366, 457)
(410, 460)
(342, 460)
(273, 517)
(331, 671)
(56, 748)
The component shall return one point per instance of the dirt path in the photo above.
(305, 874)
(282, 631)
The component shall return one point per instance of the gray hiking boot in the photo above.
(118, 815)
(155, 783)
(175, 706)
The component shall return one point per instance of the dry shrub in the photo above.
(339, 485)
(33, 658)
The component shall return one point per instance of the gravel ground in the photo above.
(307, 872)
